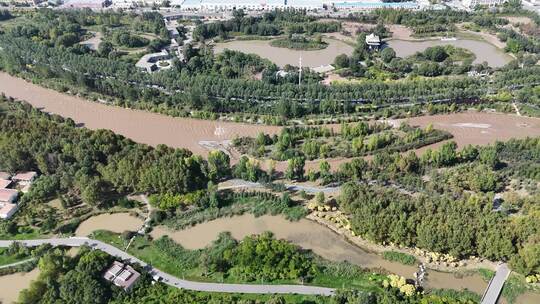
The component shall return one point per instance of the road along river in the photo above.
(304, 233)
(174, 281)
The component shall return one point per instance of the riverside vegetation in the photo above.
(424, 207)
(351, 141)
(208, 85)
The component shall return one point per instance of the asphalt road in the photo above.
(174, 281)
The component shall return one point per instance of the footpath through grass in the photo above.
(6, 258)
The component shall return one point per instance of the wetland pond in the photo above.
(483, 51)
(283, 56)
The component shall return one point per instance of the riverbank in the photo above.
(308, 235)
(16, 283)
(140, 126)
(466, 265)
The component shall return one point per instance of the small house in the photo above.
(8, 195)
(7, 210)
(25, 178)
(373, 41)
(4, 183)
(121, 275)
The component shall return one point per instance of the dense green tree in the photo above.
(218, 165)
(295, 168)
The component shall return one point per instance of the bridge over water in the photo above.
(493, 291)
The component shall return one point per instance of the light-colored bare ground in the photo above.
(140, 126)
(401, 32)
(518, 19)
(93, 43)
(528, 298)
(116, 222)
(12, 284)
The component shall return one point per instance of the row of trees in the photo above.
(5, 15)
(269, 24)
(453, 212)
(182, 91)
(78, 279)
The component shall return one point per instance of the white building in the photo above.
(474, 3)
(373, 41)
(155, 61)
(7, 210)
(250, 5)
(8, 195)
(304, 4)
(121, 275)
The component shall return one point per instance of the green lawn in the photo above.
(6, 258)
(399, 257)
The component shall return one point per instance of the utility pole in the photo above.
(300, 72)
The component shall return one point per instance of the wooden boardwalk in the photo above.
(493, 291)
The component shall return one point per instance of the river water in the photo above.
(304, 233)
(283, 56)
(115, 222)
(483, 50)
(156, 129)
(140, 126)
(12, 284)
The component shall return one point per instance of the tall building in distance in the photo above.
(474, 3)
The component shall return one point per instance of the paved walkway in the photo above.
(17, 263)
(240, 183)
(491, 295)
(174, 281)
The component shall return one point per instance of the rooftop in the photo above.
(373, 39)
(7, 210)
(8, 195)
(122, 275)
(5, 175)
(4, 183)
(25, 176)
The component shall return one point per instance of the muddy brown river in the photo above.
(150, 128)
(153, 129)
(12, 284)
(140, 126)
(116, 222)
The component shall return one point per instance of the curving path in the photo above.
(16, 263)
(174, 281)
